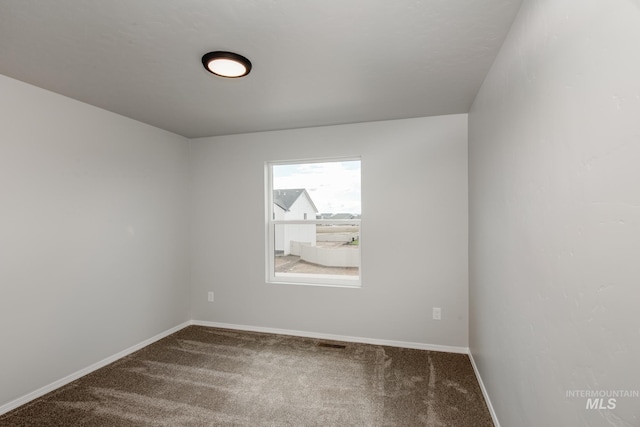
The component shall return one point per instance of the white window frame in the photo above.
(270, 224)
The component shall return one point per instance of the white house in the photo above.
(293, 204)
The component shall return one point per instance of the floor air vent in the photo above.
(330, 345)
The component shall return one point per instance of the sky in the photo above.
(333, 186)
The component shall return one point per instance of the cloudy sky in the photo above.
(334, 187)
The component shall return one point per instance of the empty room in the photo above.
(320, 213)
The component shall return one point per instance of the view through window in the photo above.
(314, 213)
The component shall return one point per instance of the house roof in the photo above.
(285, 198)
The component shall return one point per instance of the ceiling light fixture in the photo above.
(226, 64)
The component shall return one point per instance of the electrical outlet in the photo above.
(437, 314)
(210, 297)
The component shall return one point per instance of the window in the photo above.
(313, 222)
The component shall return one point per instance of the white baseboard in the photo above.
(405, 344)
(82, 372)
(494, 416)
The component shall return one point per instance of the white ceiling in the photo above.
(315, 62)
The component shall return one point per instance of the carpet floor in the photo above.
(202, 376)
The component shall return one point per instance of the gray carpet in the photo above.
(203, 376)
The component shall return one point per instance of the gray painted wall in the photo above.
(414, 232)
(93, 235)
(554, 142)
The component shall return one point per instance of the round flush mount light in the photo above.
(226, 64)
